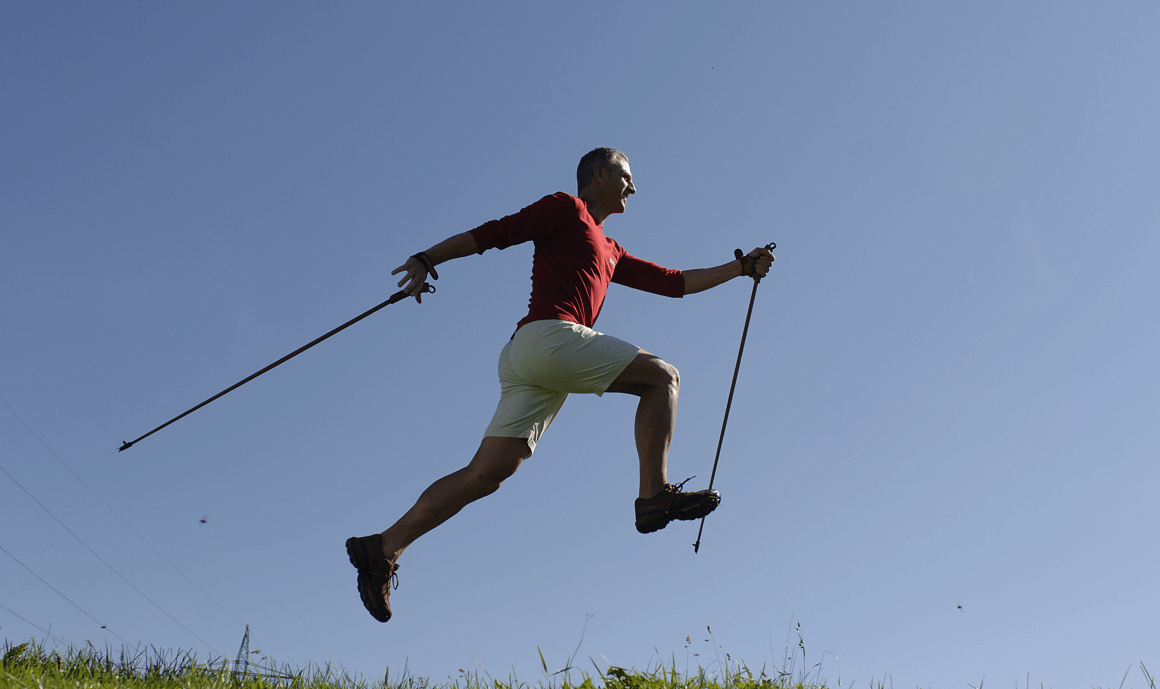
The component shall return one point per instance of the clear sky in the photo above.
(941, 459)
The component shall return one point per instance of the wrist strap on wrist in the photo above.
(748, 263)
(423, 258)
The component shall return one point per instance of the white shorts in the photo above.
(542, 364)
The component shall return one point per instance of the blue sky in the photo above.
(941, 458)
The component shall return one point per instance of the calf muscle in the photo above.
(657, 383)
(495, 461)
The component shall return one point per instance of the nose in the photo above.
(631, 188)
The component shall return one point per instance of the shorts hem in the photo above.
(528, 438)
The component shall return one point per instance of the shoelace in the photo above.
(677, 488)
(392, 578)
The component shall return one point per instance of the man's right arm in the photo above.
(416, 273)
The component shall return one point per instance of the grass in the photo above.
(34, 664)
(37, 665)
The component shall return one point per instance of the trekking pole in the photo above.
(397, 296)
(745, 331)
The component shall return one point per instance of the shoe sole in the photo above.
(358, 553)
(370, 584)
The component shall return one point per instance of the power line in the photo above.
(86, 612)
(105, 562)
(115, 513)
(47, 632)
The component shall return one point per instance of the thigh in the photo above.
(568, 357)
(524, 410)
(646, 371)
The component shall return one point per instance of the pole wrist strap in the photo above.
(423, 258)
(748, 263)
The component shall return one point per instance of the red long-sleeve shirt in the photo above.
(574, 261)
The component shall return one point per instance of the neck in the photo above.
(598, 212)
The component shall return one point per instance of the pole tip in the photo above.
(697, 547)
(126, 446)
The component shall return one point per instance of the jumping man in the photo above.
(555, 352)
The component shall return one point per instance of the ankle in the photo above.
(652, 490)
(388, 549)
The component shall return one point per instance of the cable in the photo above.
(127, 524)
(55, 638)
(62, 596)
(113, 569)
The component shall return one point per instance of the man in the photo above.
(555, 352)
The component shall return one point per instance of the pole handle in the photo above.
(742, 257)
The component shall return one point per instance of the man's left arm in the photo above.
(755, 264)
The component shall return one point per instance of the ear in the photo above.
(600, 175)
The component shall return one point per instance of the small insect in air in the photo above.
(205, 519)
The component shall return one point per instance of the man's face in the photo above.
(617, 185)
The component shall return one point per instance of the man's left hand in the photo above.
(758, 262)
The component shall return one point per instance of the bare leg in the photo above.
(658, 384)
(495, 461)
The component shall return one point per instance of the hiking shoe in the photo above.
(376, 575)
(655, 513)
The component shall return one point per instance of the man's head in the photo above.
(606, 158)
(605, 182)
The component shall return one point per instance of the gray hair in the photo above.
(597, 157)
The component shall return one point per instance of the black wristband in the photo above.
(748, 263)
(423, 258)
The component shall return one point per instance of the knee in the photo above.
(496, 474)
(496, 461)
(668, 375)
(659, 376)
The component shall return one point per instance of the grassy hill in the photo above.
(34, 665)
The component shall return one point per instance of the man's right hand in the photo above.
(415, 278)
(417, 272)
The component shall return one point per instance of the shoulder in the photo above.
(557, 208)
(561, 202)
